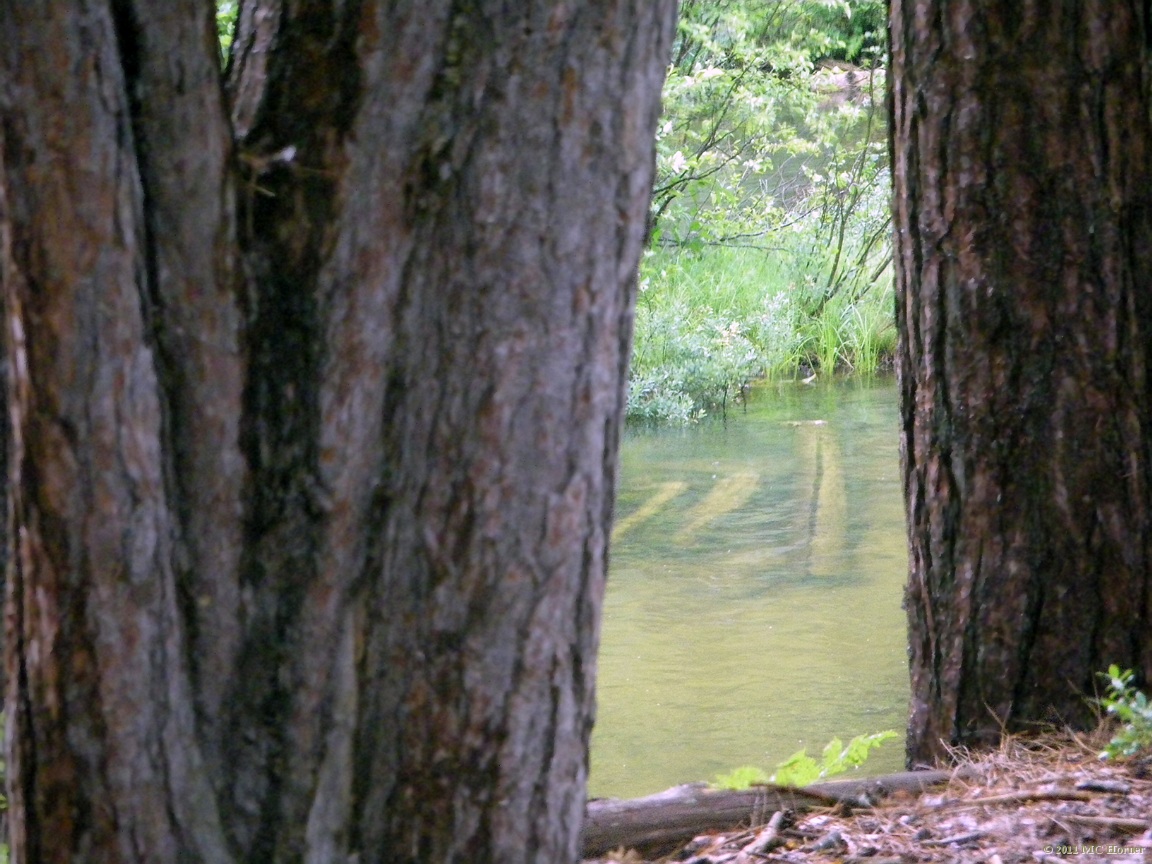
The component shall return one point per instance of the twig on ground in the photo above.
(1135, 826)
(955, 839)
(1018, 798)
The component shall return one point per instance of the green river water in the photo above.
(754, 592)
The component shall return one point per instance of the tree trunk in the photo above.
(316, 381)
(1023, 210)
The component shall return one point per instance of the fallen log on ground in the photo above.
(662, 822)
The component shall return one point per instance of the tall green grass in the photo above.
(711, 321)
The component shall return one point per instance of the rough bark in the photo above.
(1023, 212)
(315, 388)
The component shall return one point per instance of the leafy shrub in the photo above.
(1131, 707)
(706, 327)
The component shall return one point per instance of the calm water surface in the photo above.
(753, 602)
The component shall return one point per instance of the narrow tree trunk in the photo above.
(315, 395)
(1023, 207)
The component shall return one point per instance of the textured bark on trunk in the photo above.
(315, 387)
(1023, 211)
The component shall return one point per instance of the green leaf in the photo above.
(741, 778)
(799, 769)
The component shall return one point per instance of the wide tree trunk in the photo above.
(1023, 210)
(316, 380)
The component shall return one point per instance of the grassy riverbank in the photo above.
(770, 216)
(711, 322)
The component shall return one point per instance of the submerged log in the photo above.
(661, 822)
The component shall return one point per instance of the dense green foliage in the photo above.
(226, 11)
(752, 129)
(770, 219)
(800, 769)
(851, 30)
(1132, 708)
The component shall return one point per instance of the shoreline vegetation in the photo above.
(769, 254)
(710, 327)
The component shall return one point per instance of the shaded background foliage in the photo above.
(769, 230)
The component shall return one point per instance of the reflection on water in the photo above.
(753, 602)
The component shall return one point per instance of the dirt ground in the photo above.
(1043, 799)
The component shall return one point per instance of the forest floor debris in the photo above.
(1047, 798)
